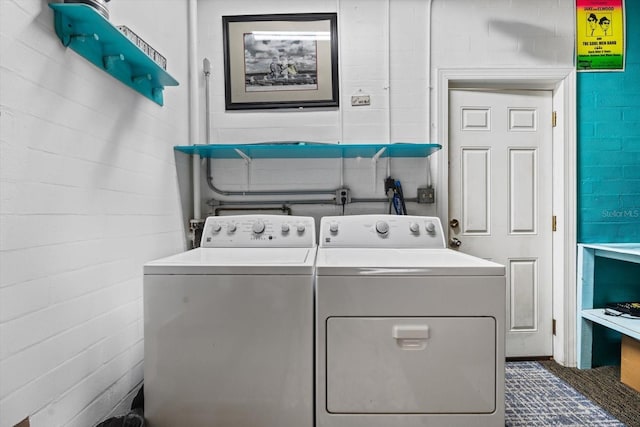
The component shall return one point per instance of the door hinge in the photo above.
(554, 119)
(553, 326)
(554, 223)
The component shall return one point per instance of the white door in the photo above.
(500, 201)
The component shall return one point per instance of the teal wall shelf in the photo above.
(88, 33)
(310, 150)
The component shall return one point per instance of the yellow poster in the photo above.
(600, 30)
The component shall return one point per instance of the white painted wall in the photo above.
(88, 194)
(88, 178)
(384, 52)
(501, 34)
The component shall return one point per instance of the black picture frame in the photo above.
(281, 61)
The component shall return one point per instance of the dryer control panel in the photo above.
(258, 231)
(381, 231)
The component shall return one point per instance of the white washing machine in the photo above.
(228, 327)
(408, 333)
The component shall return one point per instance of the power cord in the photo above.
(393, 190)
(401, 197)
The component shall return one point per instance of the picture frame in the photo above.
(281, 61)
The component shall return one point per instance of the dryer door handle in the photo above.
(411, 332)
(411, 337)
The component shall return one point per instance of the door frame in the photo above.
(562, 83)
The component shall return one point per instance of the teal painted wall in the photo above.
(609, 177)
(609, 146)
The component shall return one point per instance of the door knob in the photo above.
(454, 223)
(454, 243)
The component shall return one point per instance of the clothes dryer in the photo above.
(228, 327)
(408, 333)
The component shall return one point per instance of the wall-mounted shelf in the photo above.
(590, 346)
(88, 33)
(309, 150)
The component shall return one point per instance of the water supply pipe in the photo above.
(193, 104)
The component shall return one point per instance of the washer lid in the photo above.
(236, 261)
(405, 262)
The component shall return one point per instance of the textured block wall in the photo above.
(88, 193)
(499, 33)
(88, 188)
(389, 50)
(382, 53)
(609, 146)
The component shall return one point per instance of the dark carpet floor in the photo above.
(603, 387)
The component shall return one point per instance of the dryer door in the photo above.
(411, 365)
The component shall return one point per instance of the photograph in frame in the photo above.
(280, 61)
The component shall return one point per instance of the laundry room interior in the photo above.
(107, 166)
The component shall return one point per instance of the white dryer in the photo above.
(228, 327)
(408, 333)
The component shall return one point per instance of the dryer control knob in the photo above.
(333, 227)
(285, 228)
(258, 227)
(431, 227)
(300, 228)
(382, 227)
(414, 227)
(215, 227)
(232, 227)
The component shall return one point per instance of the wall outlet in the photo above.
(426, 195)
(343, 196)
(358, 100)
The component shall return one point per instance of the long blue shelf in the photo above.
(304, 150)
(92, 36)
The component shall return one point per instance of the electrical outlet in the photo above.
(426, 195)
(343, 196)
(359, 100)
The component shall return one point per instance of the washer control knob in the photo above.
(232, 227)
(258, 227)
(215, 227)
(300, 227)
(285, 228)
(414, 227)
(382, 227)
(333, 227)
(431, 227)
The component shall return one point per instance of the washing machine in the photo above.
(228, 327)
(408, 333)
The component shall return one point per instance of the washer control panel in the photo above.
(381, 231)
(257, 231)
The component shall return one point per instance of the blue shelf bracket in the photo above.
(85, 31)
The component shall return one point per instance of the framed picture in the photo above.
(281, 61)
